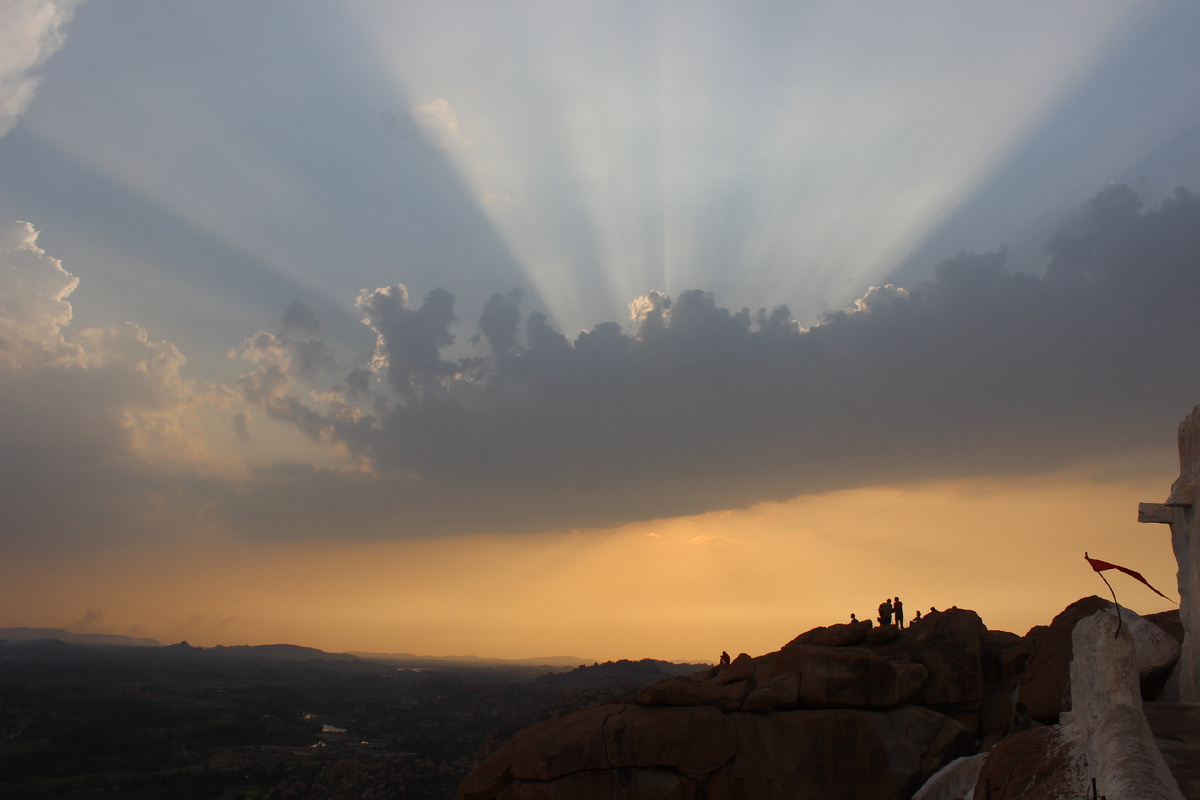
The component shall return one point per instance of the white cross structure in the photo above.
(1180, 513)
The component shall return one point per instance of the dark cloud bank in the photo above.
(694, 407)
(979, 371)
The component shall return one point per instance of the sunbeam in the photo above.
(618, 149)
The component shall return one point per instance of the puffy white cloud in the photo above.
(33, 297)
(32, 31)
(102, 432)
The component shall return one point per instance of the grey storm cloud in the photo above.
(979, 371)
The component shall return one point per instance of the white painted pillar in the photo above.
(1180, 513)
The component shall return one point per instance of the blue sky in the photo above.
(559, 224)
(229, 159)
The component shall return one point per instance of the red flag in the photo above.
(1100, 566)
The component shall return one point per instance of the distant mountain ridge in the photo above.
(539, 661)
(276, 652)
(281, 652)
(49, 634)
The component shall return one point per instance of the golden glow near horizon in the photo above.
(192, 446)
(679, 589)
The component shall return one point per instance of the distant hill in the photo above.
(19, 635)
(277, 652)
(287, 652)
(474, 661)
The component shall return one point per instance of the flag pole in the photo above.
(1114, 594)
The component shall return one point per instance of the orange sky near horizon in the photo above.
(680, 589)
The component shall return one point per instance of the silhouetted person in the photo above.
(885, 612)
(898, 610)
(853, 618)
(917, 617)
(724, 659)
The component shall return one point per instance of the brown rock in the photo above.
(949, 644)
(996, 713)
(761, 700)
(920, 742)
(684, 690)
(692, 741)
(841, 635)
(843, 677)
(836, 753)
(1045, 683)
(657, 783)
(1032, 765)
(593, 749)
(883, 634)
(806, 754)
(741, 669)
(1014, 660)
(1169, 622)
(551, 749)
(543, 751)
(1004, 655)
(786, 687)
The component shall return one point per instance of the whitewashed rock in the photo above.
(955, 781)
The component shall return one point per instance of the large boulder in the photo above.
(804, 676)
(1005, 655)
(840, 678)
(686, 690)
(1045, 683)
(1037, 764)
(679, 754)
(949, 645)
(920, 742)
(586, 749)
(837, 754)
(556, 747)
(840, 635)
(692, 741)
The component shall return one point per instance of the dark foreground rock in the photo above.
(840, 712)
(1031, 765)
(1045, 683)
(637, 751)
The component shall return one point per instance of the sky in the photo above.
(604, 329)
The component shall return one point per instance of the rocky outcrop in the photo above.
(835, 713)
(955, 781)
(644, 752)
(1045, 683)
(841, 635)
(829, 715)
(1036, 764)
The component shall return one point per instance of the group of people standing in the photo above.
(891, 608)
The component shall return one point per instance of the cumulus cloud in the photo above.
(689, 407)
(33, 297)
(102, 432)
(274, 385)
(33, 30)
(698, 407)
(409, 342)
